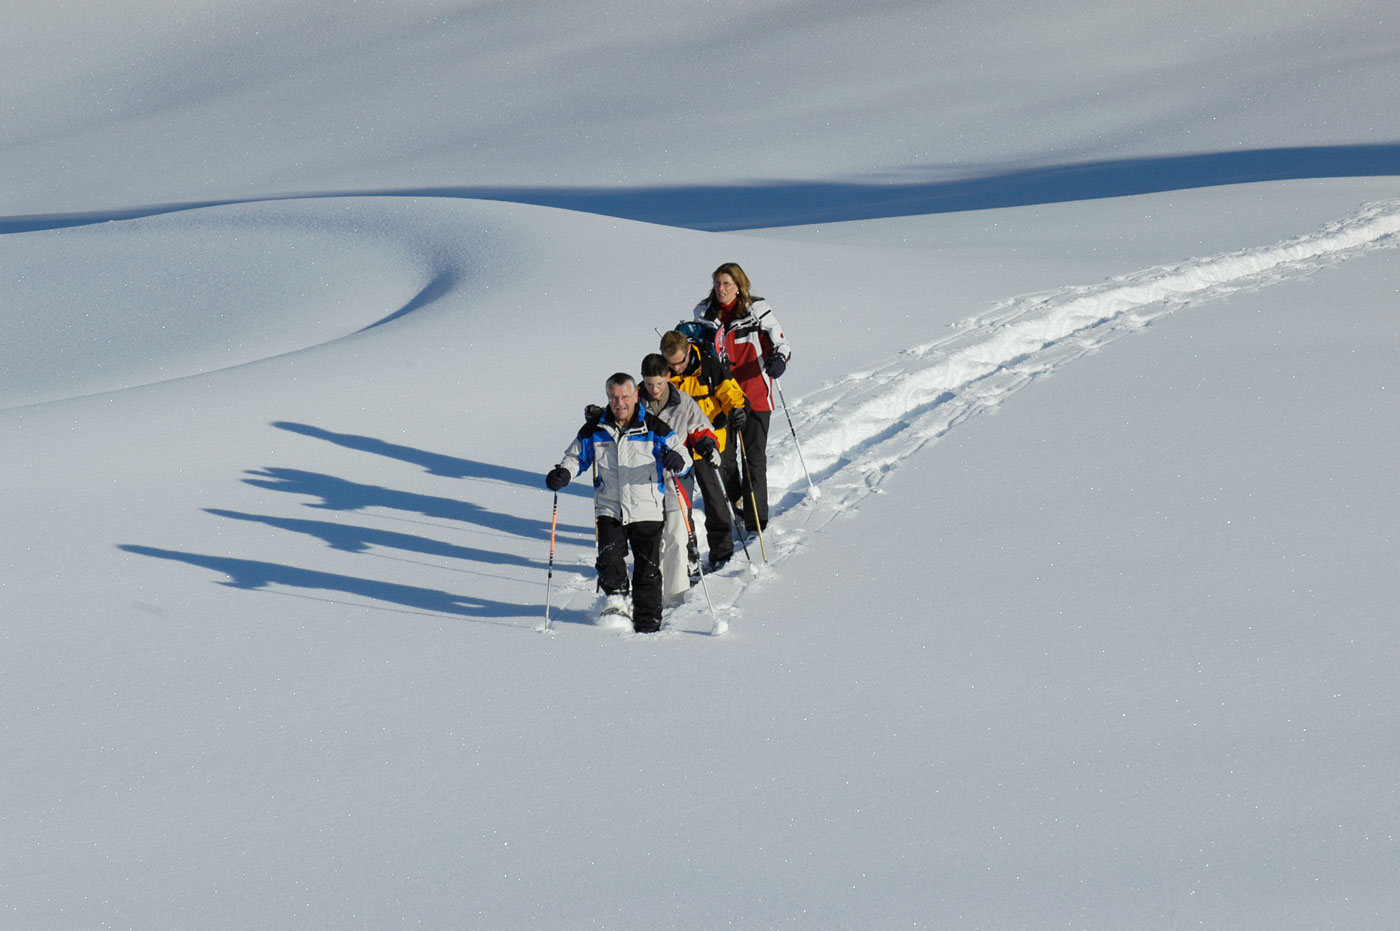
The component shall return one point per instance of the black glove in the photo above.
(705, 445)
(777, 365)
(736, 419)
(592, 416)
(673, 460)
(557, 478)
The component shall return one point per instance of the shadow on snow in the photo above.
(338, 494)
(253, 575)
(721, 207)
(433, 463)
(354, 539)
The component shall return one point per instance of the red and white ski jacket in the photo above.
(746, 341)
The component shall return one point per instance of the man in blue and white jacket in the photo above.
(631, 452)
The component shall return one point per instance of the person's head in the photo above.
(728, 284)
(622, 397)
(656, 377)
(675, 351)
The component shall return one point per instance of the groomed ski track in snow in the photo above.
(857, 428)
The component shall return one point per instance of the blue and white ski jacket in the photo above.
(629, 482)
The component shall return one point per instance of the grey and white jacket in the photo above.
(683, 415)
(629, 482)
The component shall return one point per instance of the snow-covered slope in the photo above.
(632, 108)
(1117, 653)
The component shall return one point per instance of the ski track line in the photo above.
(857, 428)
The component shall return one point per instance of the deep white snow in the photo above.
(1093, 310)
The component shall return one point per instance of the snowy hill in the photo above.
(1093, 315)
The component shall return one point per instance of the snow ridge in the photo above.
(857, 428)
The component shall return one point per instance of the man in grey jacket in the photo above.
(679, 411)
(632, 452)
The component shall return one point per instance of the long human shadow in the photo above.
(355, 539)
(720, 207)
(338, 494)
(250, 574)
(433, 463)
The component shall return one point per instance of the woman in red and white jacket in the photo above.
(750, 341)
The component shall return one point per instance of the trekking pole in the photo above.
(734, 514)
(549, 579)
(720, 626)
(812, 489)
(753, 497)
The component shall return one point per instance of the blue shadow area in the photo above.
(441, 285)
(352, 539)
(434, 463)
(253, 574)
(338, 494)
(729, 207)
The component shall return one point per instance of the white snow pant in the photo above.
(675, 563)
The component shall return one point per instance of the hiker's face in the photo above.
(622, 401)
(655, 386)
(725, 288)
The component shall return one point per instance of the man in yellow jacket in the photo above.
(706, 379)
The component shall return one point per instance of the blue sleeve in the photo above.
(585, 455)
(581, 451)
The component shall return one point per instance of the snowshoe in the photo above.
(616, 611)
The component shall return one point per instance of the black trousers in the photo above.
(719, 525)
(753, 484)
(644, 539)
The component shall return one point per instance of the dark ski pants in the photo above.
(719, 525)
(643, 537)
(753, 484)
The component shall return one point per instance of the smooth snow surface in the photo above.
(300, 306)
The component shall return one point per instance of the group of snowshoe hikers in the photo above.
(699, 416)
